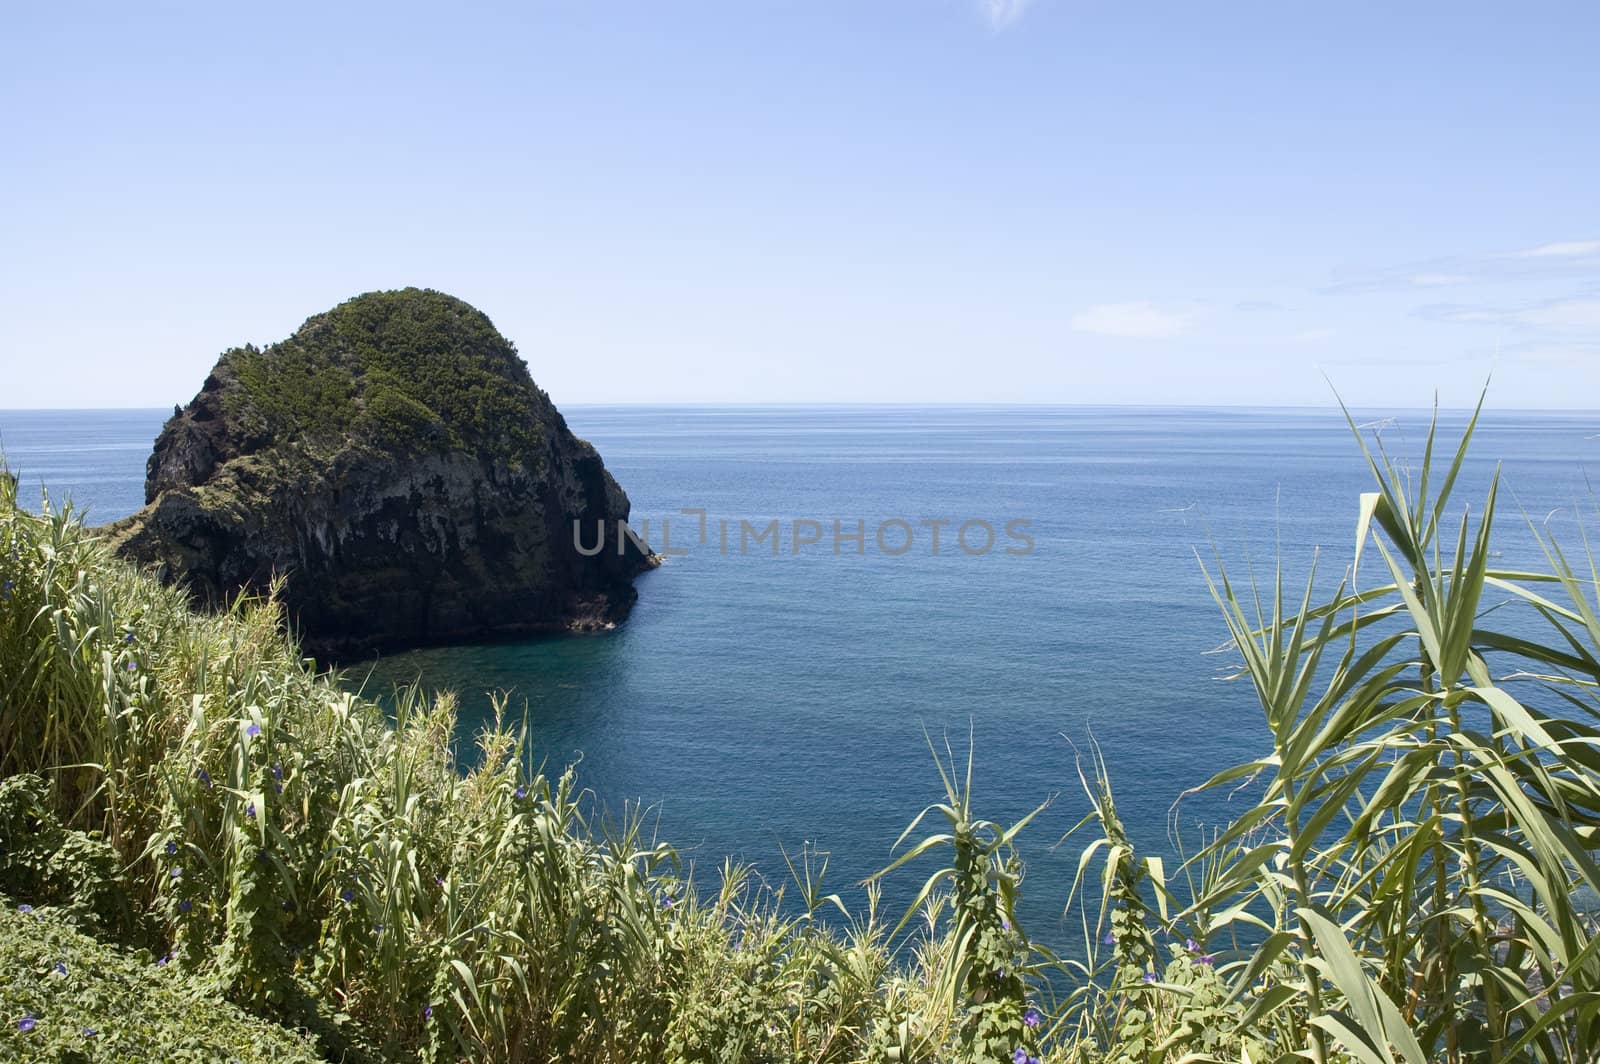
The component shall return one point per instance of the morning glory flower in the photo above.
(24, 908)
(1019, 1056)
(26, 1023)
(1031, 1017)
(253, 731)
(522, 792)
(666, 902)
(172, 848)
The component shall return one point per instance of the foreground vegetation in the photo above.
(189, 812)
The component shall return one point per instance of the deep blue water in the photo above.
(754, 700)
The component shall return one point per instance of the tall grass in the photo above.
(336, 869)
(1413, 877)
(1416, 876)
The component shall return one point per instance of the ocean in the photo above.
(755, 702)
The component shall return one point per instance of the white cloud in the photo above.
(1561, 249)
(1579, 314)
(1141, 320)
(1002, 13)
(1558, 354)
(1558, 260)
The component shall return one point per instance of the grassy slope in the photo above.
(87, 1000)
(314, 862)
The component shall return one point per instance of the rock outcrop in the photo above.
(395, 464)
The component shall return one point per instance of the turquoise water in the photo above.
(756, 701)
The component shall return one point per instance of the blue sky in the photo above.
(861, 200)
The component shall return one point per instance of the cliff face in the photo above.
(395, 463)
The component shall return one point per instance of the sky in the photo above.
(1037, 201)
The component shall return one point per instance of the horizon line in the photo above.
(925, 404)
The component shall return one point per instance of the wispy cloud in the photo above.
(1561, 249)
(1556, 354)
(1558, 260)
(1002, 13)
(1140, 320)
(1580, 313)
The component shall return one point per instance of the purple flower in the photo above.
(128, 638)
(347, 894)
(176, 872)
(1110, 939)
(1150, 977)
(427, 1013)
(61, 967)
(1205, 959)
(165, 957)
(250, 810)
(203, 776)
(1031, 1017)
(277, 772)
(184, 906)
(26, 1023)
(666, 902)
(24, 908)
(522, 792)
(172, 848)
(89, 1032)
(253, 731)
(132, 665)
(1005, 925)
(1019, 1056)
(1191, 945)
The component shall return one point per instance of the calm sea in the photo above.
(754, 701)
